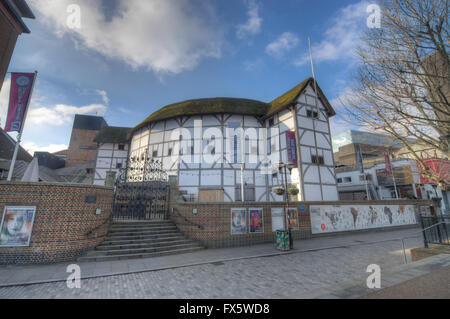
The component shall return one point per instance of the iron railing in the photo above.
(436, 230)
(141, 191)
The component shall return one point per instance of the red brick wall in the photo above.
(81, 138)
(65, 226)
(211, 225)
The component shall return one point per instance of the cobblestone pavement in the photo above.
(286, 276)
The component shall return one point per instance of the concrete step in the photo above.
(138, 239)
(134, 251)
(142, 232)
(140, 245)
(139, 255)
(143, 222)
(145, 226)
(142, 236)
(140, 223)
(151, 239)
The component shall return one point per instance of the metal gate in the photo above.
(141, 191)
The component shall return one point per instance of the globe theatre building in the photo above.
(212, 146)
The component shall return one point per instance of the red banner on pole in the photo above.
(21, 87)
(388, 164)
(291, 148)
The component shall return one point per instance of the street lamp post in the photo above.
(290, 166)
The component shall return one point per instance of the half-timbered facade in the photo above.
(292, 128)
(112, 153)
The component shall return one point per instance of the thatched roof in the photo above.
(112, 134)
(291, 96)
(224, 105)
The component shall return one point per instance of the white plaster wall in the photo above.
(193, 175)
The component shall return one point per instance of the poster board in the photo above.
(256, 220)
(277, 218)
(17, 226)
(238, 222)
(292, 216)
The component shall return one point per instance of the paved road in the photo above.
(287, 276)
(435, 285)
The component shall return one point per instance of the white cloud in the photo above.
(32, 147)
(340, 40)
(124, 110)
(42, 114)
(339, 124)
(285, 42)
(165, 36)
(254, 22)
(61, 114)
(252, 65)
(103, 95)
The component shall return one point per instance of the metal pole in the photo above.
(19, 136)
(286, 185)
(242, 182)
(404, 252)
(425, 242)
(367, 186)
(242, 163)
(13, 160)
(395, 183)
(314, 119)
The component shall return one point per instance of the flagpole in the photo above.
(318, 116)
(393, 179)
(19, 136)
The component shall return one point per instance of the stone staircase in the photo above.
(141, 239)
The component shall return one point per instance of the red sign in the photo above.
(388, 164)
(440, 167)
(291, 148)
(21, 87)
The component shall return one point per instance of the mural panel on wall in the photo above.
(238, 221)
(16, 226)
(335, 218)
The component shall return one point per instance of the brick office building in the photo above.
(82, 147)
(11, 26)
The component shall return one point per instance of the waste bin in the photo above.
(283, 240)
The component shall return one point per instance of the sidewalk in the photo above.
(427, 278)
(36, 274)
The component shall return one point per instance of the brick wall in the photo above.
(82, 148)
(211, 224)
(65, 225)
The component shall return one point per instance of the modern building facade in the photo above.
(372, 146)
(12, 25)
(244, 140)
(408, 183)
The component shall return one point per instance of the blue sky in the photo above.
(131, 57)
